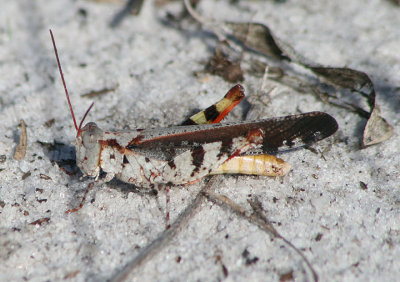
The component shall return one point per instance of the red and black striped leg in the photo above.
(217, 112)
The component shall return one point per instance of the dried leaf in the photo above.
(256, 36)
(352, 80)
(377, 129)
(344, 77)
(20, 151)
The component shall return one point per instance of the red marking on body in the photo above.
(251, 137)
(136, 140)
(101, 150)
(113, 143)
(254, 133)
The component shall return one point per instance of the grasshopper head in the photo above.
(88, 148)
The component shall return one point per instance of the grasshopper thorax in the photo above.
(88, 149)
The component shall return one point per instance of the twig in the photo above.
(209, 23)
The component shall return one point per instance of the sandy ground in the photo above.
(348, 231)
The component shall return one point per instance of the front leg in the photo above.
(97, 181)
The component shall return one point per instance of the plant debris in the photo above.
(50, 122)
(220, 64)
(40, 221)
(20, 151)
(100, 92)
(26, 175)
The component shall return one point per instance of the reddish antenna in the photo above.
(78, 129)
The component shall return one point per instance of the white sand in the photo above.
(152, 67)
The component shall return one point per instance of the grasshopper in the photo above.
(201, 146)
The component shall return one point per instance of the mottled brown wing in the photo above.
(280, 133)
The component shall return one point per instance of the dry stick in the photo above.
(258, 210)
(257, 218)
(161, 242)
(209, 23)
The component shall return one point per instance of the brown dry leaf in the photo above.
(257, 37)
(377, 129)
(344, 77)
(20, 151)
